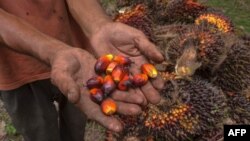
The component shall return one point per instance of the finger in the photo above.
(138, 92)
(151, 94)
(128, 109)
(66, 85)
(158, 83)
(94, 112)
(128, 97)
(148, 49)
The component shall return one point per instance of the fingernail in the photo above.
(160, 57)
(135, 111)
(156, 99)
(139, 100)
(117, 128)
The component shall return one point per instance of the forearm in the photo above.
(89, 14)
(22, 37)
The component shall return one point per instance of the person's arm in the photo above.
(70, 67)
(89, 14)
(22, 37)
(107, 36)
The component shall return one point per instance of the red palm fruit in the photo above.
(149, 70)
(140, 80)
(108, 85)
(96, 95)
(118, 73)
(111, 67)
(95, 82)
(109, 107)
(125, 83)
(102, 63)
(122, 60)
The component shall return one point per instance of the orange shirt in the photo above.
(17, 69)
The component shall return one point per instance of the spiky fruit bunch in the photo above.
(183, 10)
(234, 73)
(207, 102)
(246, 39)
(240, 106)
(126, 3)
(136, 17)
(217, 21)
(169, 11)
(198, 45)
(157, 10)
(164, 34)
(188, 108)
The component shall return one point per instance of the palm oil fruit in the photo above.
(94, 82)
(111, 67)
(108, 107)
(122, 60)
(149, 70)
(102, 63)
(108, 85)
(140, 79)
(125, 83)
(114, 73)
(96, 95)
(118, 73)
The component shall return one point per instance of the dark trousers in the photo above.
(32, 110)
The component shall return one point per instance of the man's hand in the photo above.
(117, 38)
(120, 39)
(71, 68)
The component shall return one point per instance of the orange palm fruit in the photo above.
(149, 70)
(140, 80)
(108, 85)
(94, 82)
(125, 83)
(118, 73)
(111, 67)
(102, 63)
(122, 60)
(108, 107)
(96, 95)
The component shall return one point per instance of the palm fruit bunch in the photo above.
(209, 40)
(113, 73)
(137, 17)
(196, 48)
(239, 106)
(234, 73)
(246, 39)
(217, 21)
(164, 34)
(209, 81)
(127, 3)
(183, 10)
(169, 11)
(157, 10)
(187, 110)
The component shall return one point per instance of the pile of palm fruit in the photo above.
(206, 70)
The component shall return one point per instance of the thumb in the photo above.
(148, 49)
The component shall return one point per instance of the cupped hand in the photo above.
(71, 68)
(120, 39)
